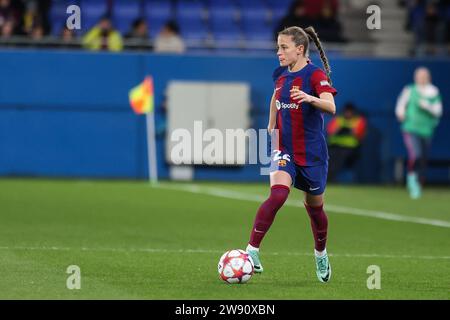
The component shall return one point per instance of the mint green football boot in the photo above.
(254, 254)
(323, 268)
(414, 187)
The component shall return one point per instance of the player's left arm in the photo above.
(323, 98)
(433, 105)
(325, 101)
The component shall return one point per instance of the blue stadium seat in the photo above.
(157, 12)
(124, 12)
(259, 35)
(279, 9)
(155, 25)
(226, 17)
(280, 3)
(251, 4)
(226, 32)
(92, 11)
(58, 15)
(192, 28)
(222, 3)
(189, 8)
(158, 9)
(255, 15)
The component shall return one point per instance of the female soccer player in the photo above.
(302, 93)
(419, 108)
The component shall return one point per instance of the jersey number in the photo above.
(277, 156)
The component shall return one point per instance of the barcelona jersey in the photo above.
(301, 126)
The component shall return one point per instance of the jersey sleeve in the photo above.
(320, 83)
(276, 73)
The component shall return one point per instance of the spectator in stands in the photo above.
(418, 109)
(37, 32)
(345, 133)
(7, 29)
(296, 16)
(103, 37)
(169, 40)
(34, 18)
(9, 18)
(328, 25)
(431, 25)
(138, 37)
(67, 35)
(321, 14)
(30, 17)
(429, 20)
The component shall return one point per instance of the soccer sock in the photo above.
(319, 226)
(320, 253)
(266, 213)
(250, 247)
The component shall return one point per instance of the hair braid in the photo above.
(315, 38)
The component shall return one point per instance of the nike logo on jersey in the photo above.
(276, 89)
(312, 189)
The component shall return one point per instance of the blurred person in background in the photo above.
(418, 109)
(138, 37)
(67, 35)
(169, 39)
(35, 18)
(9, 18)
(345, 134)
(7, 29)
(322, 14)
(430, 22)
(37, 32)
(103, 36)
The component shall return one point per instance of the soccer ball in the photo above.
(236, 266)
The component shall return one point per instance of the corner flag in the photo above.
(142, 102)
(141, 96)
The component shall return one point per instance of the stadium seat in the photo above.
(279, 9)
(158, 9)
(251, 4)
(157, 13)
(58, 15)
(259, 35)
(192, 28)
(229, 36)
(255, 16)
(155, 25)
(189, 8)
(124, 12)
(92, 11)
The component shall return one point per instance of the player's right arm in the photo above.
(272, 115)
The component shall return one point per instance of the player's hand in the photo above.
(299, 95)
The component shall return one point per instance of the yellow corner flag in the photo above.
(141, 97)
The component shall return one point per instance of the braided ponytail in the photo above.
(315, 38)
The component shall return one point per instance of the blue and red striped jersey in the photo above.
(301, 126)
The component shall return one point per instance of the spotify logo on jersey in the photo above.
(282, 105)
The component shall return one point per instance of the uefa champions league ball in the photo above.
(236, 266)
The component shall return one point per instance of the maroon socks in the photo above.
(319, 225)
(266, 213)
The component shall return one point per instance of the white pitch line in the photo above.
(230, 194)
(219, 252)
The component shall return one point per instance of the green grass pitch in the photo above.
(134, 241)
